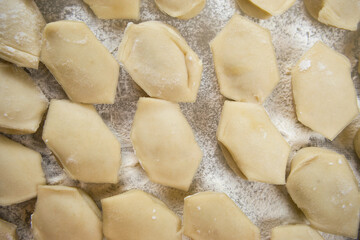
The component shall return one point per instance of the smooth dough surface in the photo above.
(251, 144)
(295, 232)
(164, 143)
(160, 61)
(65, 213)
(338, 13)
(264, 8)
(182, 9)
(239, 51)
(79, 62)
(323, 90)
(7, 231)
(81, 141)
(115, 9)
(323, 186)
(20, 172)
(136, 215)
(20, 32)
(22, 104)
(357, 143)
(212, 215)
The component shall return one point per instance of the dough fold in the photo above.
(7, 230)
(184, 9)
(295, 232)
(264, 9)
(115, 9)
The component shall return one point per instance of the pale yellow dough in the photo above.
(80, 63)
(65, 213)
(164, 143)
(211, 215)
(20, 172)
(81, 141)
(22, 104)
(324, 93)
(357, 143)
(182, 9)
(265, 8)
(160, 61)
(245, 61)
(251, 144)
(323, 186)
(20, 32)
(7, 231)
(136, 215)
(115, 9)
(338, 13)
(295, 232)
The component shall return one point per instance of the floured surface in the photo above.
(267, 206)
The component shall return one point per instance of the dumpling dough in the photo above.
(7, 231)
(20, 172)
(159, 60)
(357, 143)
(338, 13)
(182, 9)
(324, 93)
(65, 213)
(295, 232)
(164, 143)
(22, 104)
(81, 141)
(80, 63)
(323, 186)
(251, 144)
(115, 9)
(245, 61)
(211, 215)
(137, 215)
(264, 8)
(20, 32)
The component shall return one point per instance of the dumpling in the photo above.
(251, 144)
(81, 141)
(20, 32)
(212, 215)
(65, 213)
(7, 231)
(137, 215)
(84, 68)
(115, 9)
(160, 61)
(22, 104)
(357, 143)
(295, 232)
(323, 186)
(264, 8)
(324, 93)
(245, 61)
(20, 172)
(338, 13)
(164, 143)
(182, 9)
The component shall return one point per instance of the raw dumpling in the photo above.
(264, 8)
(20, 172)
(251, 144)
(323, 186)
(20, 32)
(295, 232)
(182, 9)
(324, 93)
(137, 215)
(7, 231)
(115, 9)
(159, 60)
(164, 143)
(65, 213)
(245, 61)
(22, 104)
(211, 215)
(338, 13)
(357, 143)
(81, 141)
(80, 63)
